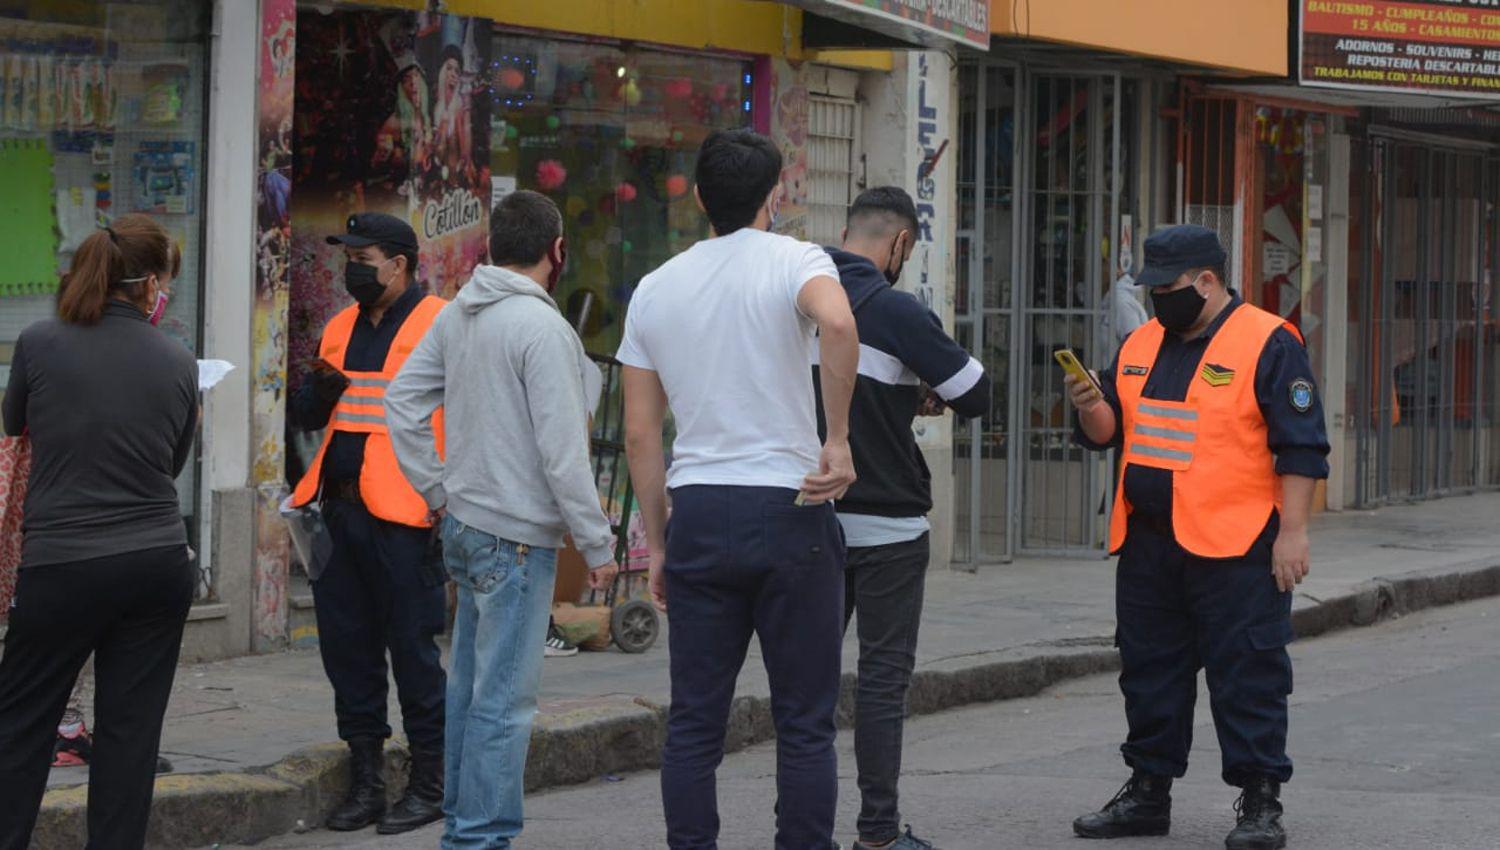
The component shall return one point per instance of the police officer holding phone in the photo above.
(1213, 407)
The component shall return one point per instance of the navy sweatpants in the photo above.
(1177, 614)
(743, 561)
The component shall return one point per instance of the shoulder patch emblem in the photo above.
(1301, 391)
(1134, 370)
(1216, 376)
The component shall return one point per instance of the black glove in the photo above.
(328, 382)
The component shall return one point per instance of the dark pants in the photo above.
(1177, 614)
(743, 561)
(128, 610)
(381, 592)
(884, 584)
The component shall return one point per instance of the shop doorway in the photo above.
(1422, 327)
(1041, 191)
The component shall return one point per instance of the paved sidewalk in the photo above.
(1007, 631)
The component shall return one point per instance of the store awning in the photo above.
(860, 24)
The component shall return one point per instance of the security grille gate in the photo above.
(1422, 317)
(1039, 195)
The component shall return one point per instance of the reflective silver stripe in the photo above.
(369, 382)
(1169, 412)
(357, 419)
(1167, 433)
(1164, 454)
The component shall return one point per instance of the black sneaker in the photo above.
(906, 841)
(557, 645)
(1259, 810)
(1143, 807)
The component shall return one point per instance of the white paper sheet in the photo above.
(211, 372)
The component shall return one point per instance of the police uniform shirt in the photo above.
(1284, 388)
(368, 346)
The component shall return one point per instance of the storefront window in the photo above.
(611, 134)
(101, 114)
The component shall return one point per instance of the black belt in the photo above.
(346, 490)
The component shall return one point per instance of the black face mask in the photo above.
(1179, 309)
(363, 283)
(892, 276)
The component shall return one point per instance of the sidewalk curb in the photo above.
(619, 733)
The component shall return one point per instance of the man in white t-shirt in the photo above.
(722, 334)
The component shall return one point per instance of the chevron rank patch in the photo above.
(1301, 391)
(1216, 376)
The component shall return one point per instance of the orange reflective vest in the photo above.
(361, 410)
(1224, 481)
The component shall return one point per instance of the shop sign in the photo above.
(1419, 46)
(929, 22)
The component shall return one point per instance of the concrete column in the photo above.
(229, 290)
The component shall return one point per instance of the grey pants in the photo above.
(883, 585)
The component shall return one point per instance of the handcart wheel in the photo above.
(634, 626)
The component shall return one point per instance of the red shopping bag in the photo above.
(15, 467)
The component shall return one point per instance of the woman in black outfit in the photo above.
(110, 405)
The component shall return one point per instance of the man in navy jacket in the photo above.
(907, 365)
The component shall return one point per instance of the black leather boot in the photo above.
(423, 801)
(1143, 807)
(366, 801)
(1259, 810)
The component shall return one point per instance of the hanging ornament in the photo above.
(553, 122)
(627, 143)
(679, 89)
(625, 192)
(512, 132)
(631, 92)
(550, 175)
(677, 186)
(512, 79)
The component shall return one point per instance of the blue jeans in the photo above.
(499, 635)
(746, 562)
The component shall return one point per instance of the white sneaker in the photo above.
(557, 647)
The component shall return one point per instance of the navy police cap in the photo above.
(1180, 248)
(367, 229)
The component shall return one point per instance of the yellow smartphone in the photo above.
(1070, 364)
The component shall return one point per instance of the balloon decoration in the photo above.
(679, 89)
(625, 192)
(553, 122)
(631, 93)
(677, 186)
(550, 175)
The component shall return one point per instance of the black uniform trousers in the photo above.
(1178, 613)
(127, 610)
(382, 592)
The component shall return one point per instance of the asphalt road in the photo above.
(1395, 734)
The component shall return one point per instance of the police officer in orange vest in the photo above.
(383, 590)
(1213, 407)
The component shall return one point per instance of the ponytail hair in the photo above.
(108, 264)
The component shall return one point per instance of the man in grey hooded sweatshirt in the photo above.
(506, 369)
